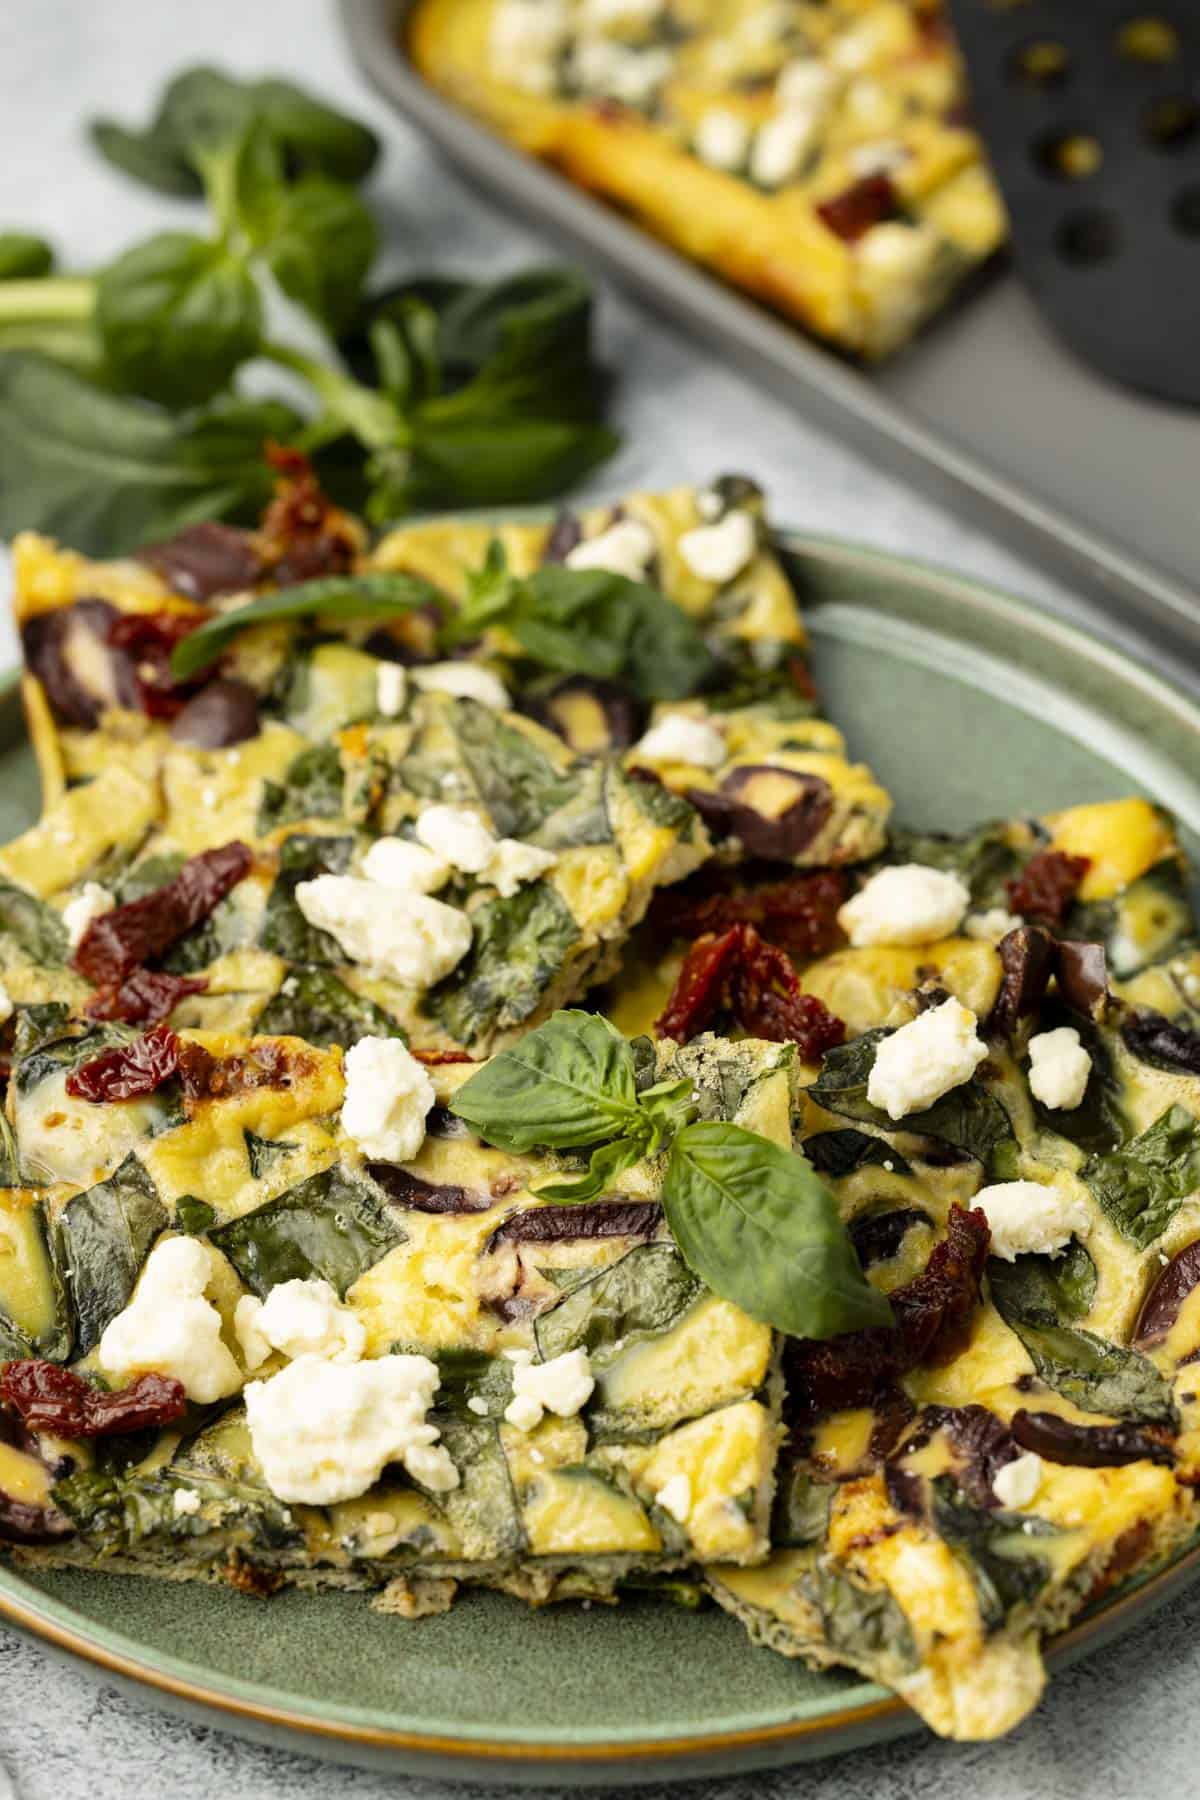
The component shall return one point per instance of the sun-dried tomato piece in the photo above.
(740, 973)
(119, 941)
(305, 534)
(146, 997)
(127, 1070)
(797, 912)
(1046, 886)
(148, 640)
(49, 1397)
(435, 1059)
(1062, 1440)
(932, 1314)
(866, 202)
(270, 1063)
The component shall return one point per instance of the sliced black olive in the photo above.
(440, 1122)
(69, 652)
(1164, 1301)
(205, 560)
(1156, 1040)
(589, 715)
(1082, 971)
(565, 535)
(222, 713)
(594, 1219)
(776, 813)
(425, 1196)
(1027, 956)
(1087, 1446)
(981, 1442)
(23, 1523)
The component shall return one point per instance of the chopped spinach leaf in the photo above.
(194, 1216)
(838, 1153)
(104, 1236)
(1098, 1123)
(1142, 1185)
(513, 776)
(639, 1297)
(997, 1549)
(314, 1004)
(520, 946)
(329, 1227)
(1044, 1289)
(34, 927)
(866, 1624)
(313, 787)
(263, 1153)
(284, 929)
(800, 1514)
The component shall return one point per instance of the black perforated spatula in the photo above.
(1090, 110)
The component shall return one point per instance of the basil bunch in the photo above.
(752, 1220)
(428, 393)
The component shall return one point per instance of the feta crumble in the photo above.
(676, 738)
(89, 903)
(1017, 1482)
(719, 552)
(624, 549)
(561, 1386)
(601, 65)
(185, 1503)
(907, 903)
(916, 1065)
(6, 1005)
(1059, 1068)
(388, 1095)
(298, 1318)
(391, 689)
(782, 145)
(323, 1431)
(170, 1327)
(805, 82)
(459, 837)
(675, 1497)
(408, 936)
(992, 925)
(722, 139)
(399, 863)
(526, 38)
(463, 681)
(1027, 1216)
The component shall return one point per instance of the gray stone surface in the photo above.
(1121, 1723)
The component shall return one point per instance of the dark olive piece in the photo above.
(1027, 956)
(1062, 1440)
(205, 560)
(69, 652)
(224, 712)
(593, 1219)
(424, 1196)
(565, 534)
(590, 715)
(1166, 1296)
(1158, 1041)
(1082, 971)
(776, 813)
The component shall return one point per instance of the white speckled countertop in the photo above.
(1124, 1721)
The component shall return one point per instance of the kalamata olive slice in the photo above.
(1082, 971)
(222, 713)
(440, 1122)
(565, 534)
(425, 1196)
(1155, 1039)
(1027, 956)
(23, 1523)
(1166, 1296)
(594, 1219)
(589, 715)
(205, 560)
(1087, 1446)
(982, 1445)
(776, 813)
(69, 652)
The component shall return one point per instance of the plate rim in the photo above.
(866, 1708)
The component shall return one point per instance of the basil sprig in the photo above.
(380, 595)
(752, 1220)
(591, 622)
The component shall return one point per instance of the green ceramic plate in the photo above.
(968, 703)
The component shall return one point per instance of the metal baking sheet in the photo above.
(987, 410)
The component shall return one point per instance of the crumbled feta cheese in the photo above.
(1029, 1216)
(388, 1094)
(6, 1004)
(721, 551)
(89, 903)
(709, 504)
(526, 38)
(391, 689)
(782, 144)
(170, 1327)
(905, 904)
(561, 1386)
(478, 1406)
(923, 1060)
(805, 82)
(675, 1497)
(624, 549)
(722, 138)
(992, 925)
(186, 1501)
(601, 15)
(854, 50)
(299, 1318)
(399, 863)
(323, 1432)
(1016, 1483)
(463, 681)
(601, 65)
(1059, 1067)
(410, 937)
(461, 838)
(676, 738)
(895, 252)
(877, 159)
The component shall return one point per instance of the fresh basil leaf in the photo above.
(668, 1106)
(518, 949)
(482, 462)
(24, 257)
(319, 241)
(339, 597)
(756, 1223)
(568, 1084)
(639, 1297)
(1044, 1289)
(313, 1004)
(104, 1237)
(605, 1164)
(313, 135)
(177, 316)
(330, 1227)
(147, 156)
(108, 473)
(1142, 1186)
